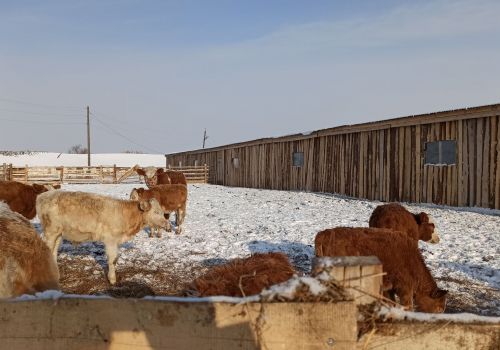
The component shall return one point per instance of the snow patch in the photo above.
(289, 288)
(399, 314)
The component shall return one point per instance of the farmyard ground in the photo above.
(224, 223)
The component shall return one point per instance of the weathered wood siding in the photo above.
(382, 161)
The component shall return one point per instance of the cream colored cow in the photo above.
(80, 217)
(26, 265)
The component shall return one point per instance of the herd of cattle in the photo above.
(28, 264)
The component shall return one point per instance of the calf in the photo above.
(21, 197)
(157, 176)
(242, 277)
(396, 217)
(170, 197)
(176, 177)
(79, 217)
(26, 265)
(406, 275)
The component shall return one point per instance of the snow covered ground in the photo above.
(224, 223)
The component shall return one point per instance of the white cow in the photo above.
(80, 217)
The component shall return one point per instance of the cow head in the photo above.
(153, 213)
(426, 228)
(150, 175)
(136, 194)
(39, 188)
(433, 302)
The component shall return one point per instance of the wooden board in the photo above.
(147, 324)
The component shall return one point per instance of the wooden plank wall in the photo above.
(385, 164)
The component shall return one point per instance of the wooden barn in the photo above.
(448, 158)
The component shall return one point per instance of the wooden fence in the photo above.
(383, 160)
(171, 323)
(94, 174)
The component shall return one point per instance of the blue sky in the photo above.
(156, 73)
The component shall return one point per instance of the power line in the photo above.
(142, 129)
(40, 113)
(37, 121)
(114, 131)
(37, 104)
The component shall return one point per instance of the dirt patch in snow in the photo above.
(85, 275)
(467, 296)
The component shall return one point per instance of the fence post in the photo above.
(206, 173)
(114, 173)
(10, 172)
(360, 275)
(4, 171)
(101, 174)
(26, 175)
(61, 174)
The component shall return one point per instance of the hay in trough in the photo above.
(305, 290)
(244, 277)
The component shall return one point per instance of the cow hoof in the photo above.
(112, 280)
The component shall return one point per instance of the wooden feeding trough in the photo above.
(71, 322)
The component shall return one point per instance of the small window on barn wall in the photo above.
(236, 162)
(298, 159)
(441, 152)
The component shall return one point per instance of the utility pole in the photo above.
(205, 137)
(88, 136)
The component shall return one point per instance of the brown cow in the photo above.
(171, 198)
(21, 197)
(157, 176)
(396, 217)
(407, 274)
(26, 265)
(244, 276)
(176, 177)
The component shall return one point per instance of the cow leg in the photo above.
(179, 219)
(158, 232)
(406, 298)
(169, 226)
(112, 255)
(53, 242)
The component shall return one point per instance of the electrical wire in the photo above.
(142, 129)
(38, 121)
(41, 113)
(106, 127)
(38, 104)
(110, 129)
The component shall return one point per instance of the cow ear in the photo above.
(39, 188)
(160, 171)
(144, 205)
(140, 171)
(422, 218)
(439, 293)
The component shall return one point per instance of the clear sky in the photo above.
(156, 73)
